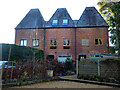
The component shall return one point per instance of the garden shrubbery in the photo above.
(21, 53)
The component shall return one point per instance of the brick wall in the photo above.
(66, 33)
(59, 34)
(91, 34)
(29, 34)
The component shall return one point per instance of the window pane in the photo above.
(64, 42)
(100, 42)
(25, 42)
(51, 42)
(87, 42)
(96, 41)
(37, 42)
(54, 22)
(21, 42)
(83, 42)
(54, 42)
(65, 22)
(68, 42)
(33, 42)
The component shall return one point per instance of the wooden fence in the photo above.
(105, 68)
(88, 66)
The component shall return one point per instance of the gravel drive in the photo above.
(62, 84)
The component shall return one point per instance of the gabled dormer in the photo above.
(91, 18)
(32, 20)
(60, 18)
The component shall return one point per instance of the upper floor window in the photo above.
(53, 44)
(98, 41)
(85, 42)
(65, 21)
(55, 22)
(23, 42)
(35, 42)
(66, 43)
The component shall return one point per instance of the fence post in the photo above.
(76, 67)
(98, 67)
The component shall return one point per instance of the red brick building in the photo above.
(62, 37)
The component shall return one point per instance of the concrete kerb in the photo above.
(27, 82)
(90, 82)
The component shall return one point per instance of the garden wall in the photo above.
(88, 66)
(106, 68)
(110, 68)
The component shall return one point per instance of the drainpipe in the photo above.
(44, 45)
(75, 45)
(76, 55)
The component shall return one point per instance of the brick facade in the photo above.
(75, 31)
(67, 33)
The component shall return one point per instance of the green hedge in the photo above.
(21, 53)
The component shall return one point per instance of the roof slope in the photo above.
(33, 19)
(90, 18)
(60, 14)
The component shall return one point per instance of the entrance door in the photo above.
(62, 58)
(50, 57)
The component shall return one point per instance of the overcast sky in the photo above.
(13, 11)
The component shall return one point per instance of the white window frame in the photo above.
(66, 40)
(35, 42)
(65, 21)
(23, 42)
(55, 22)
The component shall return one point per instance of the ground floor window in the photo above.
(23, 42)
(64, 57)
(35, 42)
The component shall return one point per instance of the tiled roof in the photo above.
(33, 19)
(59, 15)
(90, 18)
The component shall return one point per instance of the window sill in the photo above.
(35, 46)
(85, 45)
(66, 47)
(53, 47)
(98, 45)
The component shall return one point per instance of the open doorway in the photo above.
(50, 57)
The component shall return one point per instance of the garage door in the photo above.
(63, 58)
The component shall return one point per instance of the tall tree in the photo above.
(111, 13)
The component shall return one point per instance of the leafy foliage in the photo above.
(111, 13)
(21, 53)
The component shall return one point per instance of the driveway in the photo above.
(62, 84)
